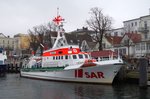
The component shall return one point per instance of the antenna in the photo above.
(57, 11)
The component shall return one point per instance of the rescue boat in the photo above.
(65, 62)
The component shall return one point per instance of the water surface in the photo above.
(14, 87)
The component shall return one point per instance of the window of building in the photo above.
(116, 50)
(142, 46)
(124, 51)
(148, 46)
(132, 24)
(145, 24)
(135, 23)
(126, 42)
(137, 47)
(122, 33)
(115, 33)
(146, 36)
(120, 51)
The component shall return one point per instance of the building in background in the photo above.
(21, 44)
(116, 32)
(6, 42)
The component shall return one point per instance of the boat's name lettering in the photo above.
(94, 74)
(81, 74)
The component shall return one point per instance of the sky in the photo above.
(18, 16)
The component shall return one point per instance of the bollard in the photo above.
(143, 63)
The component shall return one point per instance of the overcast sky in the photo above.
(17, 16)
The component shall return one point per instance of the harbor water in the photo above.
(12, 86)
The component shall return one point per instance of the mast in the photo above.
(60, 40)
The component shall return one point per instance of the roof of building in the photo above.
(2, 35)
(75, 39)
(104, 53)
(20, 35)
(71, 39)
(53, 33)
(134, 37)
(83, 30)
(114, 39)
(136, 18)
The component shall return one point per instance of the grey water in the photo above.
(12, 86)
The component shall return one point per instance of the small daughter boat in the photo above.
(68, 63)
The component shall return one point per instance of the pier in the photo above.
(10, 67)
(13, 68)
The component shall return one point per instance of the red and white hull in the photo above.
(96, 74)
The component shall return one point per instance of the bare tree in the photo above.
(40, 36)
(100, 24)
(33, 40)
(50, 29)
(40, 31)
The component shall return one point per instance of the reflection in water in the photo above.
(14, 87)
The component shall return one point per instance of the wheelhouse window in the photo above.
(53, 57)
(80, 56)
(61, 57)
(74, 57)
(69, 56)
(66, 57)
(86, 56)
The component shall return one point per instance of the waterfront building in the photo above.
(6, 42)
(140, 26)
(116, 32)
(21, 45)
(82, 31)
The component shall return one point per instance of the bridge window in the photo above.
(86, 56)
(74, 57)
(66, 57)
(61, 57)
(69, 56)
(53, 57)
(80, 56)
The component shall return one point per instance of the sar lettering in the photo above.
(94, 74)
